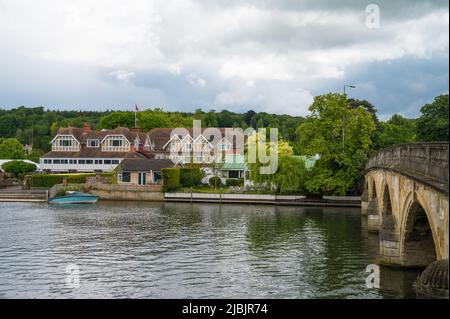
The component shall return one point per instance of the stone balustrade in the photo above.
(425, 159)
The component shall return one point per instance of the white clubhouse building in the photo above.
(86, 150)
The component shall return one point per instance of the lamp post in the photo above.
(350, 86)
(343, 118)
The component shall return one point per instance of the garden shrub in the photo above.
(215, 181)
(48, 180)
(171, 179)
(235, 182)
(190, 177)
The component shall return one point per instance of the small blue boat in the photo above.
(74, 198)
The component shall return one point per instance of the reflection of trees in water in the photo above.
(326, 242)
(272, 225)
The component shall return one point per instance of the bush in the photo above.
(18, 168)
(215, 181)
(235, 182)
(48, 180)
(190, 177)
(171, 179)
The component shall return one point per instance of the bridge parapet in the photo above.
(426, 159)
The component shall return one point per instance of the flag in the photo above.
(136, 109)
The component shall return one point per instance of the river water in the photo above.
(182, 250)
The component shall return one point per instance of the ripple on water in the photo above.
(175, 250)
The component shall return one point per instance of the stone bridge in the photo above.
(406, 200)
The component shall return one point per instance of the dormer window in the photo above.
(65, 143)
(115, 143)
(93, 143)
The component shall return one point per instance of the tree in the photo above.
(150, 120)
(35, 155)
(432, 125)
(248, 116)
(11, 148)
(19, 168)
(397, 130)
(342, 137)
(113, 120)
(290, 175)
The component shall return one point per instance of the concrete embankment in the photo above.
(116, 192)
(19, 195)
(154, 193)
(345, 201)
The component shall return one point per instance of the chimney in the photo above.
(86, 127)
(136, 129)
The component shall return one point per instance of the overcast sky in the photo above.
(265, 55)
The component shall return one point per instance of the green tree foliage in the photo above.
(11, 148)
(432, 125)
(397, 130)
(171, 179)
(35, 155)
(290, 175)
(215, 181)
(190, 176)
(19, 168)
(342, 137)
(146, 120)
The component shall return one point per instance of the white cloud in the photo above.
(122, 75)
(195, 80)
(247, 42)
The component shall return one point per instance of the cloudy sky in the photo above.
(267, 55)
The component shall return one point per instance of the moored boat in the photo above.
(74, 198)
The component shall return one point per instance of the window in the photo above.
(72, 161)
(64, 161)
(92, 143)
(56, 161)
(115, 161)
(124, 177)
(98, 161)
(107, 161)
(65, 143)
(81, 161)
(89, 161)
(116, 143)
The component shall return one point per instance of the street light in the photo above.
(343, 118)
(350, 86)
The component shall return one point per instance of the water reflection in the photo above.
(183, 250)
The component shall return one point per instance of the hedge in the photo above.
(171, 179)
(235, 182)
(48, 180)
(190, 177)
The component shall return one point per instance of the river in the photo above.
(182, 250)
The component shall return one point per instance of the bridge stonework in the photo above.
(406, 200)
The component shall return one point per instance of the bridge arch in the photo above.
(411, 211)
(419, 237)
(386, 208)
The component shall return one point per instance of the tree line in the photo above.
(331, 125)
